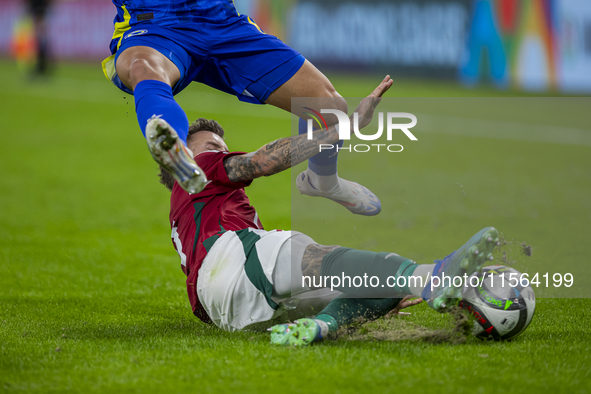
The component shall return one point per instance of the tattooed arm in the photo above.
(277, 156)
(287, 152)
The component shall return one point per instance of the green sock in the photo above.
(344, 311)
(389, 272)
(406, 270)
(329, 320)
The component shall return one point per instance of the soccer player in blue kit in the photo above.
(159, 47)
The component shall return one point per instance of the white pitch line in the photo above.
(203, 102)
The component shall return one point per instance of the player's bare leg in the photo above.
(150, 75)
(137, 64)
(321, 178)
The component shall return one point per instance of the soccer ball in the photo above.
(497, 298)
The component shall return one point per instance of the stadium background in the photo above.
(91, 294)
(530, 44)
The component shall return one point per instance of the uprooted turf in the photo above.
(393, 327)
(92, 298)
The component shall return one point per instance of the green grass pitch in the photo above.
(92, 298)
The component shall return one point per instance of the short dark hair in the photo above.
(200, 124)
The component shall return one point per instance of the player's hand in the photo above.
(367, 106)
(406, 302)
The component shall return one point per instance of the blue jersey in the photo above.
(163, 12)
(174, 11)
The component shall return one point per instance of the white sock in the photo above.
(424, 271)
(324, 183)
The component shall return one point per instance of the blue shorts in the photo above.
(235, 57)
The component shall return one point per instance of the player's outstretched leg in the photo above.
(470, 258)
(172, 154)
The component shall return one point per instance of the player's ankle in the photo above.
(322, 183)
(328, 325)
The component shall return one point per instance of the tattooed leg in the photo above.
(312, 261)
(298, 256)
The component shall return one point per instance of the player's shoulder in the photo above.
(212, 161)
(210, 156)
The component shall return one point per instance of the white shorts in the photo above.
(235, 284)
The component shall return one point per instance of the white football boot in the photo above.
(356, 198)
(172, 154)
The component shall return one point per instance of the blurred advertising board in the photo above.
(421, 38)
(78, 29)
(530, 44)
(574, 45)
(527, 44)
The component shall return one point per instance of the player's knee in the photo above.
(132, 70)
(141, 63)
(313, 256)
(136, 69)
(337, 101)
(341, 103)
(140, 70)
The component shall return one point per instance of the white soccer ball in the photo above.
(501, 305)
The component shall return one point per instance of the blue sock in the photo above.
(325, 162)
(155, 98)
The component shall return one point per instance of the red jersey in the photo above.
(194, 218)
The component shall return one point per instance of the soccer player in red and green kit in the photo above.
(240, 276)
